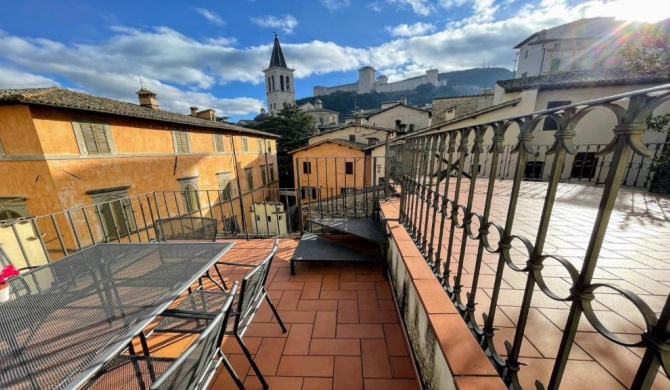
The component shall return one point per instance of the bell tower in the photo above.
(278, 81)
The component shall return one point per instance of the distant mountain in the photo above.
(460, 82)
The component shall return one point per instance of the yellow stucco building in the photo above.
(60, 150)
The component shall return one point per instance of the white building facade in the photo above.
(279, 82)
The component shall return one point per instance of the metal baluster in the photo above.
(420, 152)
(425, 192)
(627, 140)
(436, 198)
(442, 275)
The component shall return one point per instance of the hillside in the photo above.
(461, 82)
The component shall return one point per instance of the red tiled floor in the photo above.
(340, 320)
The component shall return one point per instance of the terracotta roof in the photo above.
(354, 125)
(582, 79)
(64, 98)
(373, 112)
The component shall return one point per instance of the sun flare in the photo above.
(632, 10)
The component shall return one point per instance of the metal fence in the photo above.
(441, 218)
(264, 212)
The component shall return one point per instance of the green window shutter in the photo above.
(181, 137)
(101, 139)
(218, 143)
(88, 135)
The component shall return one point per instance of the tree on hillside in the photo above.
(648, 51)
(293, 126)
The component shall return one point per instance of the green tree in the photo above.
(294, 127)
(648, 49)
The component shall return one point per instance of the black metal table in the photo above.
(65, 319)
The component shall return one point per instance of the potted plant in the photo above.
(7, 273)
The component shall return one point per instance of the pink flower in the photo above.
(8, 272)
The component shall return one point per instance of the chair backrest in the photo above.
(186, 228)
(194, 366)
(252, 292)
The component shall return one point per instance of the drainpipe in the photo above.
(239, 186)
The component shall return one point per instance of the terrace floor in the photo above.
(635, 257)
(343, 330)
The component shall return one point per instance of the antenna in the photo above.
(141, 82)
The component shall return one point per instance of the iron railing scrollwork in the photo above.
(437, 172)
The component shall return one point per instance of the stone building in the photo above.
(279, 83)
(366, 83)
(393, 115)
(448, 108)
(62, 149)
(323, 118)
(584, 44)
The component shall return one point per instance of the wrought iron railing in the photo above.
(445, 212)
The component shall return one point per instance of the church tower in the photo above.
(278, 81)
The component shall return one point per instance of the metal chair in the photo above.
(201, 305)
(194, 369)
(186, 228)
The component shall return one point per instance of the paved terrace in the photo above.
(635, 256)
(343, 331)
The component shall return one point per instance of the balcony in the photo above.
(498, 277)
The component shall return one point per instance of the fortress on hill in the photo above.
(366, 83)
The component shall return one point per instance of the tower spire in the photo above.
(277, 58)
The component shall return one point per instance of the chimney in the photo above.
(194, 111)
(358, 119)
(147, 99)
(208, 114)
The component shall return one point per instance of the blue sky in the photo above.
(211, 54)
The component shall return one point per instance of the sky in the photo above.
(211, 54)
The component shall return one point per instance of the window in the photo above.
(349, 168)
(11, 208)
(308, 192)
(225, 185)
(525, 54)
(264, 175)
(181, 142)
(411, 127)
(281, 82)
(306, 167)
(218, 143)
(272, 172)
(284, 104)
(250, 177)
(268, 84)
(93, 138)
(584, 166)
(352, 137)
(555, 64)
(2, 149)
(288, 84)
(189, 193)
(372, 141)
(557, 45)
(259, 145)
(269, 146)
(273, 82)
(114, 211)
(245, 144)
(550, 123)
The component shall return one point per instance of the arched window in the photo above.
(268, 84)
(288, 83)
(273, 82)
(281, 82)
(191, 198)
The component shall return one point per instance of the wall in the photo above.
(461, 105)
(407, 115)
(446, 353)
(361, 133)
(328, 172)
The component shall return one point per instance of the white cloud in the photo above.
(286, 23)
(375, 6)
(213, 17)
(410, 30)
(183, 70)
(420, 7)
(13, 78)
(333, 5)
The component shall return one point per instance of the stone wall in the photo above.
(462, 106)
